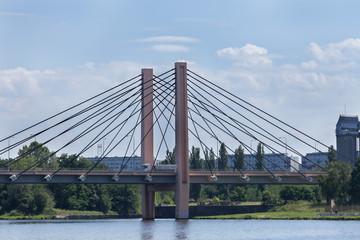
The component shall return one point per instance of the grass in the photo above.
(9, 216)
(301, 210)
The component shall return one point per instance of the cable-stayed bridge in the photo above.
(166, 112)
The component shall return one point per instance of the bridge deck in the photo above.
(163, 177)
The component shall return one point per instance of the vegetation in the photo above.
(336, 184)
(223, 160)
(294, 210)
(260, 154)
(239, 161)
(31, 199)
(354, 190)
(46, 200)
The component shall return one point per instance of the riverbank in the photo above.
(66, 214)
(283, 216)
(301, 210)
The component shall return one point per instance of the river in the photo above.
(133, 229)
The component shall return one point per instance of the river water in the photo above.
(131, 229)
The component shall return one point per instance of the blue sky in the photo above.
(298, 60)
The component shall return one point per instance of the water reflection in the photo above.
(182, 229)
(163, 229)
(147, 229)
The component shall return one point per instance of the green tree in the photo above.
(208, 191)
(260, 154)
(170, 157)
(125, 198)
(355, 183)
(195, 190)
(38, 154)
(196, 162)
(223, 160)
(238, 195)
(26, 198)
(239, 161)
(336, 184)
(212, 159)
(296, 193)
(267, 196)
(331, 154)
(74, 162)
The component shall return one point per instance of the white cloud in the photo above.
(236, 53)
(170, 48)
(169, 39)
(346, 50)
(309, 95)
(248, 55)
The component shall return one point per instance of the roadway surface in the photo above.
(157, 177)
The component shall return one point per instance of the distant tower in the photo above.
(347, 135)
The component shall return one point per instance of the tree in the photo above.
(170, 157)
(195, 190)
(196, 162)
(35, 153)
(331, 154)
(239, 161)
(223, 160)
(26, 198)
(355, 183)
(125, 198)
(266, 196)
(336, 184)
(260, 154)
(212, 159)
(297, 193)
(238, 195)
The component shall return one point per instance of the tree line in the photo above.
(35, 199)
(342, 184)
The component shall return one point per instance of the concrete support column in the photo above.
(181, 143)
(147, 154)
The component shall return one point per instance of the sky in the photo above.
(298, 60)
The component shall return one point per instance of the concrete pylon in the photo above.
(147, 149)
(181, 143)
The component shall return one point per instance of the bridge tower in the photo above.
(147, 145)
(182, 185)
(181, 142)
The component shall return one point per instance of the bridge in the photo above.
(159, 108)
(159, 178)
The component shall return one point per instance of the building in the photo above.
(115, 163)
(347, 139)
(272, 161)
(311, 161)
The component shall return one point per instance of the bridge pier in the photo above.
(147, 148)
(181, 143)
